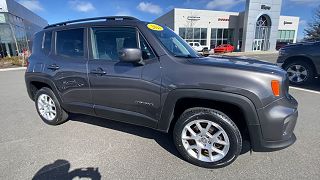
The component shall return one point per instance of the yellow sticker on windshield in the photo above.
(155, 27)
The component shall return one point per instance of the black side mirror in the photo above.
(130, 55)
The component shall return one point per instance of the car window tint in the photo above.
(107, 42)
(46, 45)
(70, 43)
(147, 52)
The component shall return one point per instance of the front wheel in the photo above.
(48, 107)
(299, 72)
(207, 138)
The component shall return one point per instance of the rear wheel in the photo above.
(207, 138)
(48, 107)
(299, 72)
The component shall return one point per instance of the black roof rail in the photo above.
(107, 18)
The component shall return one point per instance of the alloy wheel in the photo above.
(297, 73)
(205, 140)
(47, 107)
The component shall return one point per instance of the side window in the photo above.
(147, 52)
(70, 43)
(46, 44)
(107, 42)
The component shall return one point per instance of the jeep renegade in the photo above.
(124, 69)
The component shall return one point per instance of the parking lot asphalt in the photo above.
(93, 147)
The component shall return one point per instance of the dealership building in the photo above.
(259, 28)
(17, 26)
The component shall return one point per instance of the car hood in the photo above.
(300, 44)
(243, 63)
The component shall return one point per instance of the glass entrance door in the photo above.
(262, 34)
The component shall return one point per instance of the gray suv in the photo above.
(127, 70)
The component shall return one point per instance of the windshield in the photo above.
(172, 42)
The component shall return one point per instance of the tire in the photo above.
(230, 136)
(306, 74)
(45, 110)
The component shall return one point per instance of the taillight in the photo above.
(275, 85)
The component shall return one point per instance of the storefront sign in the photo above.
(223, 19)
(265, 7)
(287, 22)
(193, 18)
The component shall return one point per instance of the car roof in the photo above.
(96, 21)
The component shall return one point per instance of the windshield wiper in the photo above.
(185, 56)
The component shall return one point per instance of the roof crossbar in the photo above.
(107, 18)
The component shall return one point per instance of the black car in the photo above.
(124, 69)
(301, 61)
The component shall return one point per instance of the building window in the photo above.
(221, 36)
(286, 36)
(194, 35)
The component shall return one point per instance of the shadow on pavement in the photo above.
(60, 170)
(163, 139)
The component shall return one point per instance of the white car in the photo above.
(199, 48)
(196, 46)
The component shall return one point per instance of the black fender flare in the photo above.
(35, 77)
(244, 103)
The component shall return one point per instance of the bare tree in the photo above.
(312, 32)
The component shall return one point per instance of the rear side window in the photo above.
(46, 44)
(70, 43)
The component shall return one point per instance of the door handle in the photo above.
(98, 71)
(53, 67)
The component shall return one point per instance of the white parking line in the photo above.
(306, 90)
(12, 69)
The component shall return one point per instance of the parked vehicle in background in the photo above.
(224, 48)
(279, 45)
(205, 51)
(124, 69)
(196, 46)
(301, 61)
(199, 48)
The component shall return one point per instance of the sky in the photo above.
(62, 10)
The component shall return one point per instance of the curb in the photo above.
(12, 69)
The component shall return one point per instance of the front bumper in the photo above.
(277, 122)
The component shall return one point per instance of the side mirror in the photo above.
(130, 55)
